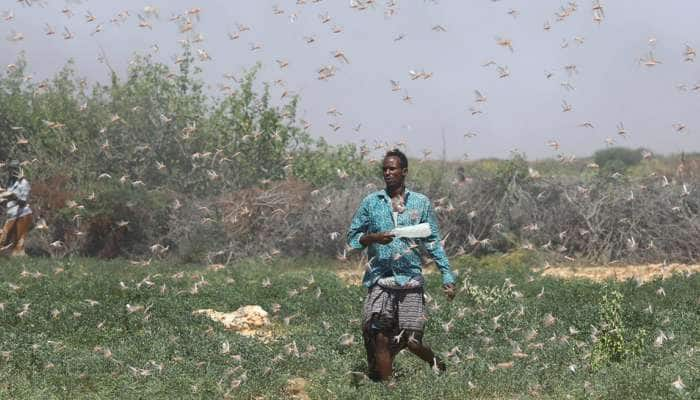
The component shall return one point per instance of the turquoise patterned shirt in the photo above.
(400, 258)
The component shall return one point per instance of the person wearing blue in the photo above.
(394, 309)
(19, 214)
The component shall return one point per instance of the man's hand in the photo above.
(383, 237)
(379, 237)
(449, 290)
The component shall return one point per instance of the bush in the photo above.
(324, 165)
(612, 345)
(123, 220)
(153, 134)
(617, 159)
(512, 171)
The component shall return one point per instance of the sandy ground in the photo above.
(351, 277)
(296, 388)
(600, 273)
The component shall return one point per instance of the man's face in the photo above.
(394, 175)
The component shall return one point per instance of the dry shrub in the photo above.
(48, 198)
(287, 218)
(470, 210)
(50, 194)
(599, 219)
(644, 220)
(243, 210)
(104, 238)
(71, 235)
(323, 227)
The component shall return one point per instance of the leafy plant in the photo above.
(512, 171)
(616, 159)
(612, 345)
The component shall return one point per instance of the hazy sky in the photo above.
(522, 111)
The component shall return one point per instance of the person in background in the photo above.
(394, 309)
(19, 214)
(461, 177)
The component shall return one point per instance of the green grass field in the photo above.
(55, 342)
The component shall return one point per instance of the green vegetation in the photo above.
(56, 343)
(617, 159)
(611, 344)
(128, 150)
(151, 166)
(159, 131)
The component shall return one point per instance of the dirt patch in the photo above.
(600, 273)
(246, 320)
(297, 389)
(351, 277)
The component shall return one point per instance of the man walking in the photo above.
(19, 215)
(394, 310)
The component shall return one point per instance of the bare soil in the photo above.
(599, 273)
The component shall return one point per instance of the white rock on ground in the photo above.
(246, 320)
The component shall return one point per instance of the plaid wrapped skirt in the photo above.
(394, 310)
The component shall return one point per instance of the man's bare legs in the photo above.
(384, 357)
(425, 354)
(22, 227)
(380, 360)
(7, 235)
(380, 354)
(5, 232)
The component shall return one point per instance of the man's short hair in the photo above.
(398, 153)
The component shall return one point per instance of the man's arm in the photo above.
(7, 196)
(379, 237)
(358, 228)
(357, 237)
(435, 249)
(4, 196)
